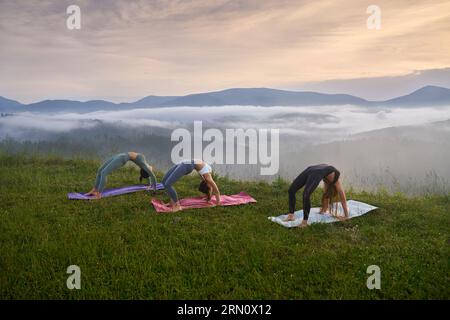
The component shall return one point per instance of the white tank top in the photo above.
(206, 168)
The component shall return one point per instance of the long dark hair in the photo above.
(144, 175)
(203, 186)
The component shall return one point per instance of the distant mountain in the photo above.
(426, 96)
(70, 105)
(150, 101)
(264, 97)
(6, 104)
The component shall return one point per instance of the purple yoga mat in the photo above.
(113, 192)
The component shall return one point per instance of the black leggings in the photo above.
(310, 179)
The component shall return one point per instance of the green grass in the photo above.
(127, 251)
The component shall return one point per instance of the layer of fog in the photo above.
(314, 124)
(398, 149)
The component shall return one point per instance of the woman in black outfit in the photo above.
(310, 179)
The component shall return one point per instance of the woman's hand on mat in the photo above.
(217, 200)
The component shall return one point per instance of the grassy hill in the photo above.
(127, 251)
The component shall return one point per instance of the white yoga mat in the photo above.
(355, 208)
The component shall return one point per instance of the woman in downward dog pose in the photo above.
(310, 179)
(185, 167)
(117, 161)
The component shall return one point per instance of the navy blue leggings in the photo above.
(173, 175)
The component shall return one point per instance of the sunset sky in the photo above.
(129, 49)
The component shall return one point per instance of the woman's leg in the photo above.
(168, 173)
(170, 178)
(115, 163)
(99, 172)
(296, 185)
(311, 184)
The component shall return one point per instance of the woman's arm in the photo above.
(325, 205)
(342, 197)
(211, 183)
(325, 201)
(152, 178)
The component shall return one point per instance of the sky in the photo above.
(126, 50)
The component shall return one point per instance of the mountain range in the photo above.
(426, 96)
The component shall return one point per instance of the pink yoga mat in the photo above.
(200, 202)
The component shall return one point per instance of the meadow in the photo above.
(125, 250)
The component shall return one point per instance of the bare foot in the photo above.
(303, 224)
(97, 195)
(290, 217)
(90, 193)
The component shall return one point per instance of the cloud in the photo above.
(129, 49)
